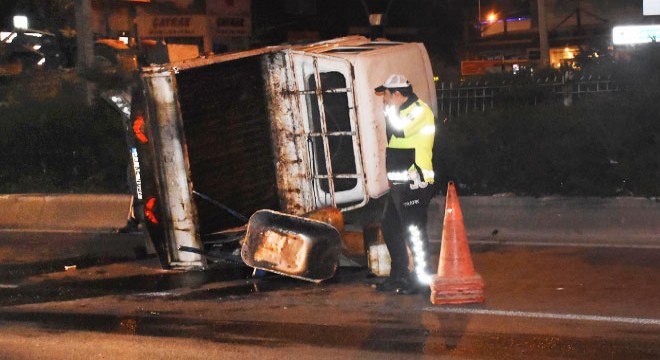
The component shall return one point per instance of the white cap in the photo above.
(392, 82)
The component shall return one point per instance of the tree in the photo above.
(84, 35)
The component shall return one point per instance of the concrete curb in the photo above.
(554, 219)
(62, 212)
(618, 221)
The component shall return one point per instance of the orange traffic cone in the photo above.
(456, 282)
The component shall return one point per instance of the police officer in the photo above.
(410, 128)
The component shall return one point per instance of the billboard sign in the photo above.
(636, 34)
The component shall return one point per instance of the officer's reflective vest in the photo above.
(409, 157)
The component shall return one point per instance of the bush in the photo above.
(603, 145)
(526, 150)
(56, 143)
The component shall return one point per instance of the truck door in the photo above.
(325, 90)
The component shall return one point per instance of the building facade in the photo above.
(499, 42)
(213, 25)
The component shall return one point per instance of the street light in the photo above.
(20, 22)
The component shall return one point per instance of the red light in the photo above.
(138, 125)
(149, 211)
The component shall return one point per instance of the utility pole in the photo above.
(479, 13)
(543, 35)
(84, 34)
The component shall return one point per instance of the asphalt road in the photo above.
(569, 302)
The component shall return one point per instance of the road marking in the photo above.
(541, 315)
(576, 243)
(8, 286)
(156, 294)
(565, 244)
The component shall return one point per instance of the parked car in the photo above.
(23, 50)
(113, 55)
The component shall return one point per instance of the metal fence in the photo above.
(455, 100)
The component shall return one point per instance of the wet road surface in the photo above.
(541, 303)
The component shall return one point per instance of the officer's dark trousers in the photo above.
(405, 208)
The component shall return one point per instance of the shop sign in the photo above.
(172, 26)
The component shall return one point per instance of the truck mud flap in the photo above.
(290, 245)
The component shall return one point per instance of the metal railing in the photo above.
(454, 100)
(459, 99)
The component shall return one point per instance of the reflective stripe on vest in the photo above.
(418, 126)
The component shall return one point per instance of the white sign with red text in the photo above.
(172, 25)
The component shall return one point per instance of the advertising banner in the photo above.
(635, 34)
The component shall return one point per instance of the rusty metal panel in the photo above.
(168, 144)
(290, 245)
(292, 162)
(228, 139)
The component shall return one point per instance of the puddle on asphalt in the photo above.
(160, 285)
(252, 333)
(273, 282)
(382, 338)
(70, 289)
(255, 286)
(229, 292)
(17, 272)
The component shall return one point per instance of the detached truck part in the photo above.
(291, 129)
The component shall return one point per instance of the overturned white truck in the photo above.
(292, 129)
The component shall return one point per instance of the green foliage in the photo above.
(526, 150)
(59, 144)
(603, 145)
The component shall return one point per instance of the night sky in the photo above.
(331, 17)
(439, 23)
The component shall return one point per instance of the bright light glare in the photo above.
(651, 7)
(20, 22)
(636, 34)
(7, 37)
(491, 17)
(568, 54)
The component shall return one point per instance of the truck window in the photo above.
(337, 118)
